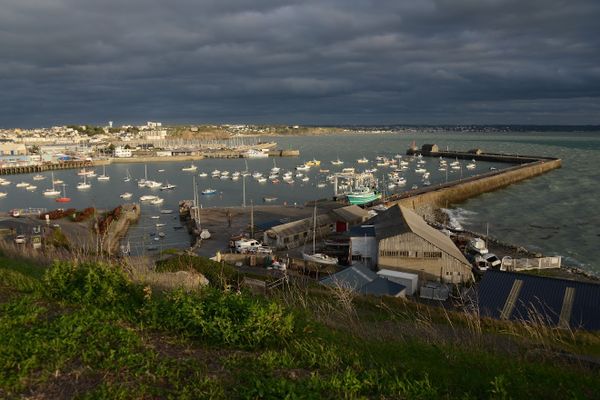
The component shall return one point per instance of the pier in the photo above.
(463, 189)
(27, 169)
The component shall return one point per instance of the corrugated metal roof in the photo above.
(303, 225)
(548, 298)
(351, 213)
(397, 220)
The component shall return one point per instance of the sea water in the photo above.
(554, 213)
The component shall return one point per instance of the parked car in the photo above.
(20, 239)
(492, 260)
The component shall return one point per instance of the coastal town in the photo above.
(365, 238)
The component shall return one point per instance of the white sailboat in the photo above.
(318, 257)
(142, 182)
(127, 177)
(83, 185)
(103, 177)
(53, 191)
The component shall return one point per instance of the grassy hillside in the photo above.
(88, 331)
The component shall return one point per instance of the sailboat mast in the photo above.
(314, 228)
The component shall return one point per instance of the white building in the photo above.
(121, 152)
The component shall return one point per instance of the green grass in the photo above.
(87, 331)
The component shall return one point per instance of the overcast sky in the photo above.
(299, 62)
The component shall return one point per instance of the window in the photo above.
(432, 254)
(286, 240)
(296, 237)
(403, 253)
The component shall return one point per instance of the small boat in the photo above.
(31, 187)
(126, 195)
(362, 160)
(493, 169)
(471, 166)
(161, 170)
(302, 167)
(157, 201)
(224, 177)
(22, 184)
(204, 234)
(420, 170)
(191, 168)
(166, 211)
(313, 163)
(275, 168)
(153, 184)
(161, 234)
(337, 162)
(209, 191)
(83, 185)
(103, 177)
(3, 194)
(168, 186)
(269, 199)
(160, 224)
(323, 171)
(305, 179)
(155, 216)
(255, 154)
(262, 180)
(52, 191)
(64, 198)
(39, 177)
(147, 197)
(202, 174)
(321, 185)
(4, 182)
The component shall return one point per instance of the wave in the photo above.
(458, 216)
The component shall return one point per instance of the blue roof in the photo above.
(362, 230)
(579, 302)
(382, 287)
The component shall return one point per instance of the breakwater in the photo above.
(463, 189)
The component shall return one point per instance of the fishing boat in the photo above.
(126, 195)
(363, 195)
(103, 177)
(51, 191)
(362, 160)
(191, 168)
(209, 191)
(39, 177)
(64, 198)
(337, 162)
(318, 257)
(83, 185)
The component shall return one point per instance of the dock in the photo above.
(27, 169)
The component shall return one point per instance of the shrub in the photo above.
(91, 283)
(222, 317)
(218, 275)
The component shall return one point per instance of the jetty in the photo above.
(27, 169)
(460, 190)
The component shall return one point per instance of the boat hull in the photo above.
(363, 198)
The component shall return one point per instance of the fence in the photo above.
(524, 264)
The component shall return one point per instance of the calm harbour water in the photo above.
(554, 213)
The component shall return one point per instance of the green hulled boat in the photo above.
(363, 195)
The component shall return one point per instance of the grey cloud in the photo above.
(328, 61)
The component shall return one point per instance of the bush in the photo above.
(218, 275)
(91, 283)
(222, 317)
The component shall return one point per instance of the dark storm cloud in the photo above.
(482, 61)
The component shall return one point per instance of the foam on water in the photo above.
(457, 217)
